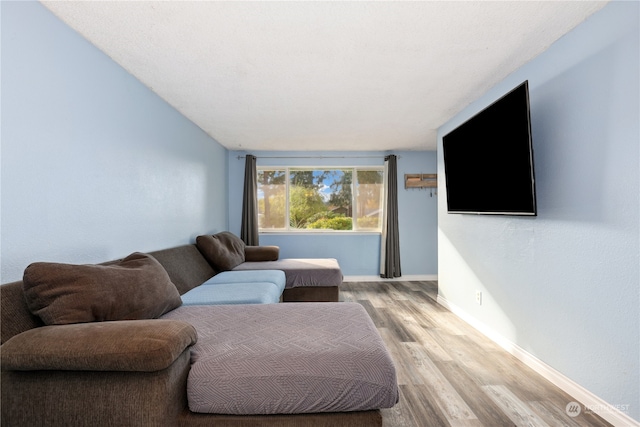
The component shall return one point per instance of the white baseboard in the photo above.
(589, 400)
(408, 278)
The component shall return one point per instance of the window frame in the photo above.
(354, 169)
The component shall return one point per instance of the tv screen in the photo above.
(488, 160)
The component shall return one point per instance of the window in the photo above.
(320, 199)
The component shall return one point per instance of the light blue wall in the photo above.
(358, 254)
(418, 216)
(565, 286)
(94, 164)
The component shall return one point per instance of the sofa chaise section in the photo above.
(287, 359)
(308, 280)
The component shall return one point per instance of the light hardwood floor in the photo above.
(451, 375)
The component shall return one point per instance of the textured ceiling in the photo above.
(327, 75)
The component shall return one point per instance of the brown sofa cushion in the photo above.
(261, 253)
(136, 287)
(224, 250)
(135, 345)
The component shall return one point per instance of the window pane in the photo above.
(369, 199)
(271, 199)
(320, 199)
(329, 198)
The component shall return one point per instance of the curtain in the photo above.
(390, 241)
(249, 227)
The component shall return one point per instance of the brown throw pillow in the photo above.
(224, 250)
(137, 287)
(261, 253)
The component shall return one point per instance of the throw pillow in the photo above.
(136, 287)
(224, 250)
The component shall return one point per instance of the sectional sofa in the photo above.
(134, 342)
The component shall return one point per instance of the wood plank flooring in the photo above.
(451, 375)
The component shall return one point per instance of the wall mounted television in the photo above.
(488, 160)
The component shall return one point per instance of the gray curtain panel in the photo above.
(249, 228)
(390, 242)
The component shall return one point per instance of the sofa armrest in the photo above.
(127, 345)
(261, 253)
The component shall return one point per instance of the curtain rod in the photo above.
(316, 157)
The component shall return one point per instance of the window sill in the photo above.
(319, 232)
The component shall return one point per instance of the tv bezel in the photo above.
(534, 211)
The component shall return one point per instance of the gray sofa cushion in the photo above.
(301, 271)
(136, 287)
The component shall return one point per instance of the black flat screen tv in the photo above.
(488, 160)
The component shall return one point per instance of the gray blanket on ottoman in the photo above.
(301, 271)
(287, 359)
